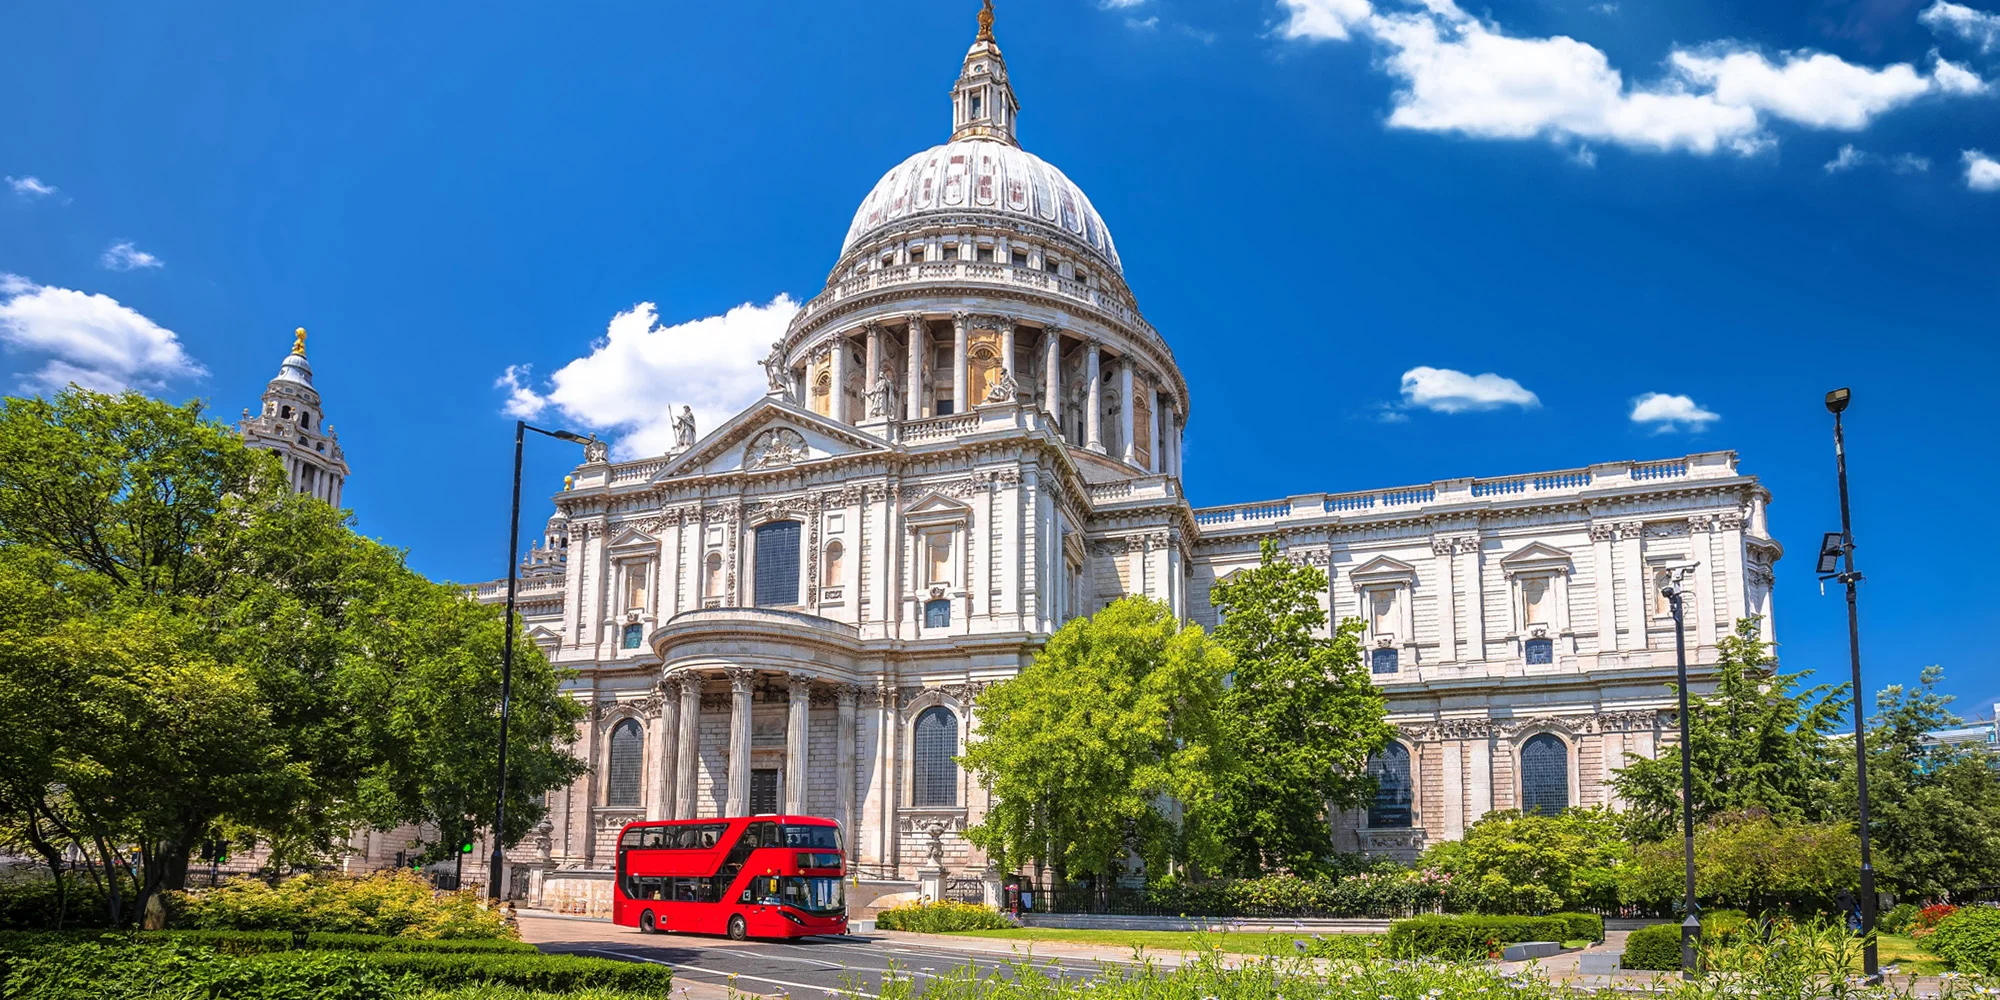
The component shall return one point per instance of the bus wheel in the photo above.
(646, 923)
(737, 930)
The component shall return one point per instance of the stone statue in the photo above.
(684, 429)
(882, 395)
(596, 451)
(1006, 390)
(774, 367)
(935, 852)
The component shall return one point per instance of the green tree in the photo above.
(1302, 716)
(1934, 809)
(1509, 862)
(1748, 861)
(1758, 744)
(1106, 744)
(188, 647)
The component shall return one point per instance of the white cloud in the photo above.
(1120, 4)
(1143, 24)
(1448, 391)
(1671, 413)
(87, 339)
(1461, 74)
(30, 187)
(1982, 172)
(123, 256)
(1975, 26)
(640, 373)
(1850, 158)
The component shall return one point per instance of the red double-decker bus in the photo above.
(752, 876)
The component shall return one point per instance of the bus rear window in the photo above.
(827, 837)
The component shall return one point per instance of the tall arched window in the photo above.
(933, 774)
(622, 764)
(777, 564)
(835, 557)
(1544, 775)
(1391, 771)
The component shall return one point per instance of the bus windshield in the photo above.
(812, 894)
(827, 837)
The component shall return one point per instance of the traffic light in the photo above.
(465, 848)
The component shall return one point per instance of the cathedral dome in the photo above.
(983, 176)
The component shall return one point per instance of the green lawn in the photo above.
(1897, 950)
(1239, 942)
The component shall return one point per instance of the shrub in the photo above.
(1514, 863)
(1654, 946)
(32, 904)
(1969, 939)
(1474, 937)
(394, 903)
(1897, 920)
(1723, 926)
(941, 918)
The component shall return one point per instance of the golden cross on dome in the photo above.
(299, 342)
(986, 22)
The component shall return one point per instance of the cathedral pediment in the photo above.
(632, 538)
(1536, 555)
(936, 508)
(772, 434)
(1382, 569)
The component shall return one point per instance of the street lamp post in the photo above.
(1836, 402)
(1691, 924)
(507, 654)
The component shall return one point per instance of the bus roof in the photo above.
(761, 817)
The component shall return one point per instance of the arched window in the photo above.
(1544, 775)
(1541, 650)
(712, 586)
(777, 564)
(835, 559)
(1391, 771)
(933, 773)
(622, 764)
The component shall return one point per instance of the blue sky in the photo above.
(612, 204)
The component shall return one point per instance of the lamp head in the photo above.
(1837, 400)
(570, 436)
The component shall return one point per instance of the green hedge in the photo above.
(1655, 946)
(260, 942)
(1969, 940)
(118, 969)
(1477, 936)
(941, 918)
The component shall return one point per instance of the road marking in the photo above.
(729, 975)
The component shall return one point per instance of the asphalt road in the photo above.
(806, 968)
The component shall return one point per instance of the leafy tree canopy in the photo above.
(1107, 744)
(1509, 862)
(1302, 716)
(1758, 744)
(187, 647)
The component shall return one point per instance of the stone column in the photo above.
(798, 691)
(1447, 613)
(843, 763)
(1157, 433)
(660, 804)
(1052, 376)
(1007, 360)
(961, 329)
(919, 348)
(738, 803)
(688, 761)
(836, 407)
(1639, 594)
(873, 367)
(1128, 443)
(1093, 414)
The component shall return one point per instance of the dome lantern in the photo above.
(983, 105)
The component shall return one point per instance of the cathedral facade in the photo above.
(971, 436)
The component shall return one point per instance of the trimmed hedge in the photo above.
(1656, 947)
(1477, 936)
(1969, 940)
(261, 942)
(941, 918)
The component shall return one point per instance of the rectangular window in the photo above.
(777, 564)
(1535, 600)
(763, 791)
(635, 587)
(1020, 258)
(937, 557)
(1382, 612)
(635, 634)
(1382, 661)
(937, 614)
(984, 255)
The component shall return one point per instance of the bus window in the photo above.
(655, 837)
(826, 837)
(762, 889)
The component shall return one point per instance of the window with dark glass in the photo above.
(763, 791)
(1541, 650)
(1544, 775)
(635, 633)
(934, 773)
(621, 780)
(1391, 771)
(937, 614)
(1382, 661)
(777, 564)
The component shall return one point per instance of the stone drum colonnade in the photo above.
(678, 788)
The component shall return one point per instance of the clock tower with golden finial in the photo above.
(293, 427)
